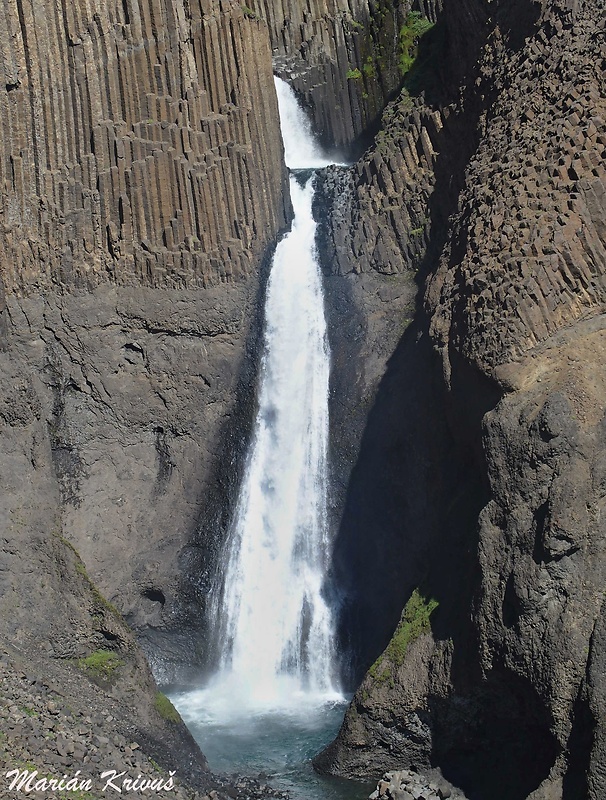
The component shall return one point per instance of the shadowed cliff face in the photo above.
(482, 486)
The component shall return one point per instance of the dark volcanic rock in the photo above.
(142, 186)
(120, 407)
(134, 153)
(342, 58)
(504, 692)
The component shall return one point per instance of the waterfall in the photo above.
(300, 149)
(276, 628)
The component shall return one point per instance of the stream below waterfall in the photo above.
(275, 700)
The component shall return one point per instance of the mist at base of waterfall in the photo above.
(275, 744)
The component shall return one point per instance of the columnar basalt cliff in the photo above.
(132, 152)
(498, 517)
(342, 57)
(141, 189)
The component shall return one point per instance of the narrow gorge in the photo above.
(454, 582)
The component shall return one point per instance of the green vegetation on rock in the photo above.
(165, 708)
(415, 620)
(81, 570)
(101, 663)
(248, 12)
(353, 74)
(413, 29)
(369, 68)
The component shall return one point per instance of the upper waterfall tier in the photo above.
(301, 151)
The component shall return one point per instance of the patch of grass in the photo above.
(413, 29)
(101, 664)
(353, 74)
(415, 620)
(249, 13)
(165, 708)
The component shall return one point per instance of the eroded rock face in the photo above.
(136, 388)
(54, 623)
(142, 186)
(504, 693)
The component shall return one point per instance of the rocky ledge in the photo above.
(408, 785)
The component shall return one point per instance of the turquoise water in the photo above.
(277, 746)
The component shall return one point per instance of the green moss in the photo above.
(413, 29)
(81, 570)
(248, 12)
(415, 620)
(165, 708)
(101, 664)
(369, 68)
(353, 74)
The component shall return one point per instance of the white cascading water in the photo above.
(300, 149)
(275, 626)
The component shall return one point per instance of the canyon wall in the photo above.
(132, 153)
(142, 188)
(343, 59)
(478, 484)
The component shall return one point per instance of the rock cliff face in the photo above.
(132, 153)
(141, 187)
(342, 57)
(493, 461)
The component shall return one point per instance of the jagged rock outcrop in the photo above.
(503, 526)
